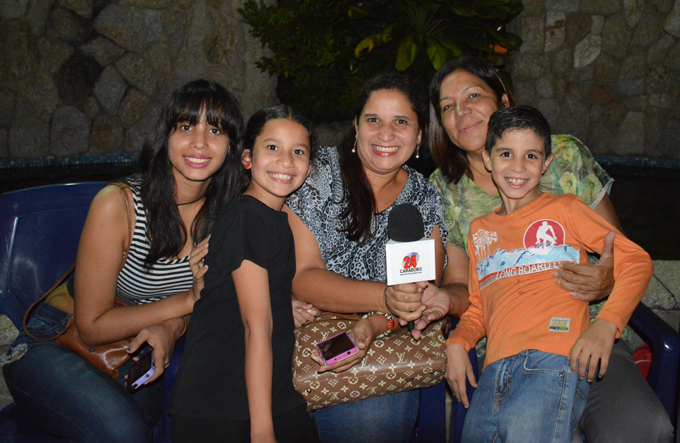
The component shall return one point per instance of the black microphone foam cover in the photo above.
(405, 223)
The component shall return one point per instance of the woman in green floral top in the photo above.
(621, 406)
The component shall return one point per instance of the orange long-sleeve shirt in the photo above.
(514, 300)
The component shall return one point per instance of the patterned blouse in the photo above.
(572, 171)
(320, 200)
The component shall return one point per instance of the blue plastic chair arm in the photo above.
(665, 344)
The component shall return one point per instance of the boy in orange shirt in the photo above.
(541, 345)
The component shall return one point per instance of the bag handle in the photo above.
(66, 275)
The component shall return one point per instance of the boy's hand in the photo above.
(593, 346)
(459, 369)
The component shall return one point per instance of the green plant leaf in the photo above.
(356, 13)
(437, 54)
(463, 12)
(406, 53)
(367, 43)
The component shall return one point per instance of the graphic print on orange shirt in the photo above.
(543, 249)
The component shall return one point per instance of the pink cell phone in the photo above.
(337, 348)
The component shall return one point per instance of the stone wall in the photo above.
(606, 71)
(88, 76)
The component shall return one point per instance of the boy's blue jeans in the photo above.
(533, 396)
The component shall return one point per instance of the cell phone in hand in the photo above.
(141, 371)
(337, 348)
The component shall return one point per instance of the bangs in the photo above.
(193, 109)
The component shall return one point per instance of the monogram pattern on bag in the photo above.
(395, 363)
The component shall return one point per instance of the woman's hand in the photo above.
(198, 269)
(589, 282)
(405, 301)
(303, 312)
(162, 339)
(363, 334)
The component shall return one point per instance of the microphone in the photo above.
(410, 257)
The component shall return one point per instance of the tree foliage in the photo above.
(323, 50)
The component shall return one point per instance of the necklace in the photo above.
(194, 201)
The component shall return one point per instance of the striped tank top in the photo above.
(137, 284)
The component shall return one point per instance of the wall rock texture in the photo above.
(605, 71)
(88, 76)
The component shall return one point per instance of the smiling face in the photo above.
(466, 102)
(517, 162)
(197, 151)
(387, 131)
(279, 161)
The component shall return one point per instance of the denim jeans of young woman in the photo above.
(533, 396)
(66, 396)
(386, 419)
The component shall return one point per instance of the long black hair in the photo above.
(167, 233)
(260, 118)
(361, 204)
(449, 158)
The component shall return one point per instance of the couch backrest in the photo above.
(39, 233)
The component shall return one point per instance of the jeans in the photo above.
(62, 394)
(386, 419)
(533, 396)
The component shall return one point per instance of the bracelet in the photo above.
(390, 322)
(185, 326)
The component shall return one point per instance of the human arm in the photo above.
(459, 369)
(103, 242)
(252, 289)
(593, 346)
(325, 289)
(575, 170)
(632, 266)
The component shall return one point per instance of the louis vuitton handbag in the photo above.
(392, 364)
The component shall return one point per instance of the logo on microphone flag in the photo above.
(411, 260)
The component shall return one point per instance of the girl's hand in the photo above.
(303, 312)
(198, 269)
(589, 282)
(593, 346)
(405, 301)
(437, 304)
(161, 338)
(459, 369)
(362, 333)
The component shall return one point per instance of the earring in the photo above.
(354, 148)
(247, 165)
(417, 150)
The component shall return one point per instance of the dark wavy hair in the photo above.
(167, 233)
(361, 204)
(260, 118)
(449, 158)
